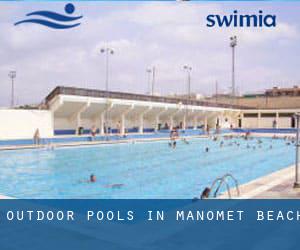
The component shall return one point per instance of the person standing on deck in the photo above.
(36, 137)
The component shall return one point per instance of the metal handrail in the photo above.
(220, 181)
(235, 182)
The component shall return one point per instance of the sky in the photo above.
(166, 35)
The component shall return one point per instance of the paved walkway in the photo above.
(278, 185)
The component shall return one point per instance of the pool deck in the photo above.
(5, 197)
(98, 142)
(131, 140)
(277, 185)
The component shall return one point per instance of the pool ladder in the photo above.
(223, 180)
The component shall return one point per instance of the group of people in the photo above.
(106, 130)
(174, 135)
(258, 143)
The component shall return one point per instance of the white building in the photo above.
(72, 108)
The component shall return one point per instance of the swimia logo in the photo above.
(52, 19)
(239, 20)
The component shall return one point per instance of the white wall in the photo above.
(64, 123)
(226, 121)
(22, 124)
(266, 122)
(284, 122)
(249, 122)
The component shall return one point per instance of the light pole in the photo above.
(297, 182)
(217, 91)
(233, 44)
(12, 75)
(188, 69)
(153, 79)
(153, 71)
(107, 51)
(149, 72)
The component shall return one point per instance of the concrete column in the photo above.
(171, 122)
(123, 120)
(156, 122)
(277, 119)
(142, 118)
(77, 116)
(242, 119)
(78, 122)
(141, 124)
(258, 119)
(205, 123)
(157, 118)
(184, 122)
(195, 122)
(101, 127)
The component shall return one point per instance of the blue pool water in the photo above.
(147, 170)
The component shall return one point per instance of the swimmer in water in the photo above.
(92, 179)
(207, 149)
(117, 185)
(248, 146)
(185, 141)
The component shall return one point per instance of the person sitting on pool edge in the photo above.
(205, 193)
(93, 178)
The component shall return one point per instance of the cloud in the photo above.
(165, 35)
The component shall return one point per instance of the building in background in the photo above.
(276, 91)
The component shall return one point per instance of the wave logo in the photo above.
(53, 20)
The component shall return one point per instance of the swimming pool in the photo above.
(147, 170)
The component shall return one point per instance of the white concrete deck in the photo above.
(277, 185)
(72, 112)
(90, 143)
